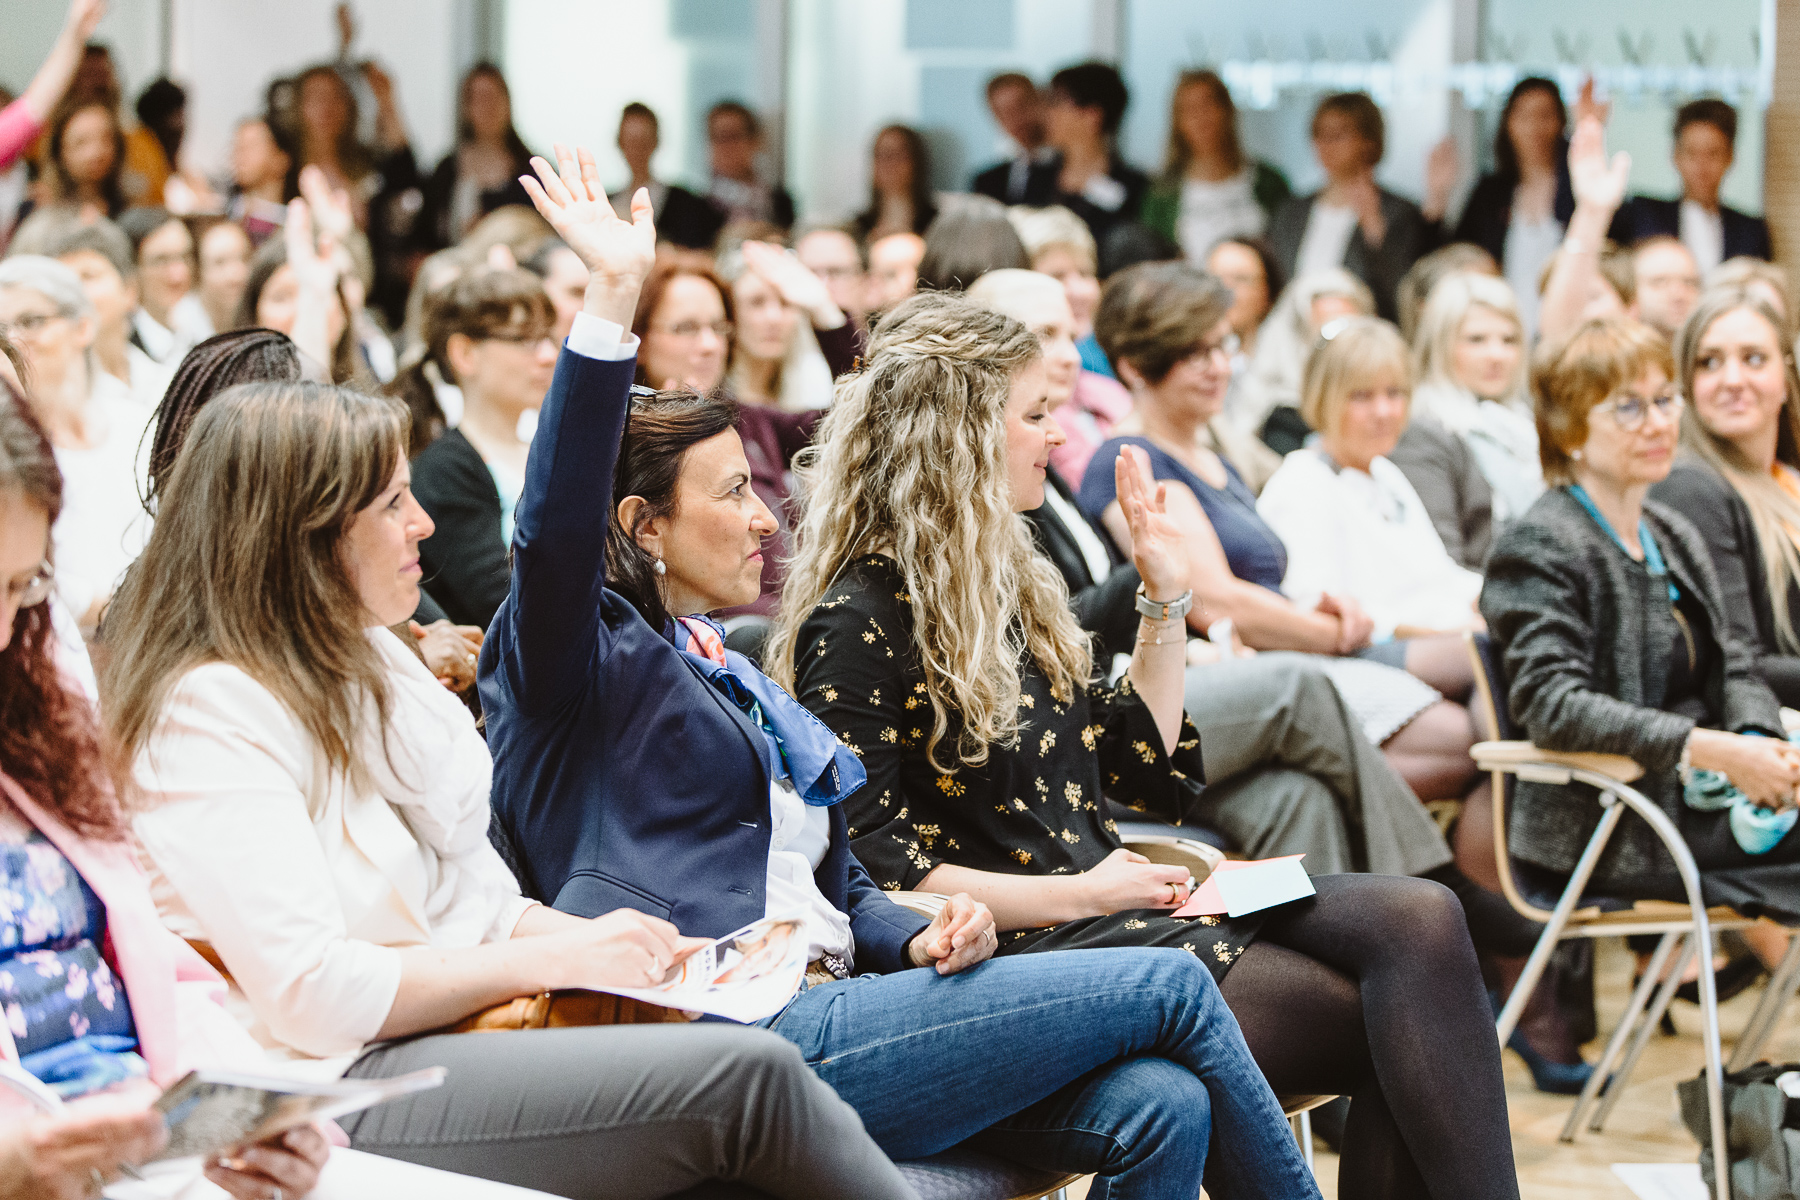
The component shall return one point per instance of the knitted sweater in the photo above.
(1583, 633)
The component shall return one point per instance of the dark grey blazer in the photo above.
(1409, 238)
(1583, 633)
(1442, 469)
(1697, 492)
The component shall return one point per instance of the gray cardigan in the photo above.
(1582, 632)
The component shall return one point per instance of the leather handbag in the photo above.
(546, 1010)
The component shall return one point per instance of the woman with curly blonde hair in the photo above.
(920, 625)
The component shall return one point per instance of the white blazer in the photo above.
(305, 887)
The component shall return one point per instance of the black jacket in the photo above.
(1645, 216)
(1697, 492)
(1409, 238)
(1583, 634)
(433, 232)
(465, 557)
(1488, 214)
(1104, 605)
(1043, 187)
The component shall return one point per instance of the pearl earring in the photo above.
(660, 567)
(1574, 454)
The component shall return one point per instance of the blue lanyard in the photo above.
(1653, 559)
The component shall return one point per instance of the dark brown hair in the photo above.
(1155, 314)
(661, 428)
(515, 145)
(49, 738)
(1506, 155)
(478, 304)
(346, 361)
(1362, 113)
(1599, 358)
(924, 208)
(220, 362)
(61, 187)
(1708, 110)
(1179, 154)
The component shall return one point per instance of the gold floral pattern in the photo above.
(949, 786)
(1022, 857)
(830, 694)
(890, 734)
(1136, 923)
(1047, 742)
(1072, 793)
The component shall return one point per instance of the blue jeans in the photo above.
(1122, 1062)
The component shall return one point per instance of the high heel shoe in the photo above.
(1558, 1079)
(1729, 980)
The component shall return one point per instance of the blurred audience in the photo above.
(1705, 145)
(968, 239)
(900, 196)
(1082, 112)
(734, 138)
(169, 320)
(482, 172)
(1209, 190)
(1017, 107)
(840, 261)
(894, 269)
(681, 217)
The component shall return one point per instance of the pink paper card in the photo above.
(1208, 901)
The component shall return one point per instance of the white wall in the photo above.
(132, 28)
(227, 52)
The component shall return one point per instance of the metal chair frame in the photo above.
(1686, 928)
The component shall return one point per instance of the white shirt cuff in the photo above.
(597, 338)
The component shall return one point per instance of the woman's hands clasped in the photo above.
(1765, 769)
(618, 254)
(959, 937)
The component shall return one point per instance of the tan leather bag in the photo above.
(546, 1010)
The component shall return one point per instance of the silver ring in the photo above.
(472, 662)
(99, 1181)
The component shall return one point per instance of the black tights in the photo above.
(1372, 991)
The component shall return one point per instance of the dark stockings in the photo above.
(1372, 991)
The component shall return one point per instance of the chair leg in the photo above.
(1301, 1124)
(1768, 1010)
(1646, 1031)
(1634, 1010)
(1559, 919)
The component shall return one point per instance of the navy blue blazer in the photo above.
(621, 778)
(1645, 216)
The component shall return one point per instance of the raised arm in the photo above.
(1599, 186)
(551, 629)
(52, 80)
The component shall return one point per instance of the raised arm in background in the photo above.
(21, 120)
(1599, 187)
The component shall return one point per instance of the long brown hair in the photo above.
(1774, 513)
(244, 565)
(49, 738)
(56, 178)
(1178, 153)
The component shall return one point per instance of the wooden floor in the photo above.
(1644, 1128)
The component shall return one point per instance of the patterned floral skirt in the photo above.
(1215, 941)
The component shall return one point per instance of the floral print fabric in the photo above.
(65, 1008)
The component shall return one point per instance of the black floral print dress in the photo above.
(1032, 809)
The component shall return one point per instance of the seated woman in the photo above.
(1288, 766)
(923, 628)
(638, 762)
(111, 1004)
(1165, 326)
(1614, 636)
(488, 333)
(1470, 350)
(297, 286)
(684, 326)
(264, 356)
(92, 421)
(1265, 400)
(1352, 524)
(774, 361)
(1737, 474)
(314, 813)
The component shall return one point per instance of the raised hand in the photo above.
(1157, 548)
(1586, 106)
(618, 254)
(83, 17)
(1596, 182)
(331, 212)
(315, 269)
(1442, 166)
(798, 286)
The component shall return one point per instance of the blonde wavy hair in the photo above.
(911, 462)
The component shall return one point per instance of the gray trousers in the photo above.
(627, 1112)
(1288, 771)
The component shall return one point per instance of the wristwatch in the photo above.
(1163, 610)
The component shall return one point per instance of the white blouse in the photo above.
(305, 886)
(1367, 536)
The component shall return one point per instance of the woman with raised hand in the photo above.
(922, 627)
(639, 762)
(314, 811)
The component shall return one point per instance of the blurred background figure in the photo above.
(681, 217)
(1209, 190)
(482, 172)
(900, 199)
(734, 137)
(1018, 109)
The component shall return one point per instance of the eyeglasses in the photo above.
(1202, 355)
(533, 340)
(1628, 411)
(33, 591)
(29, 324)
(691, 329)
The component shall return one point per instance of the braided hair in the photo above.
(220, 362)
